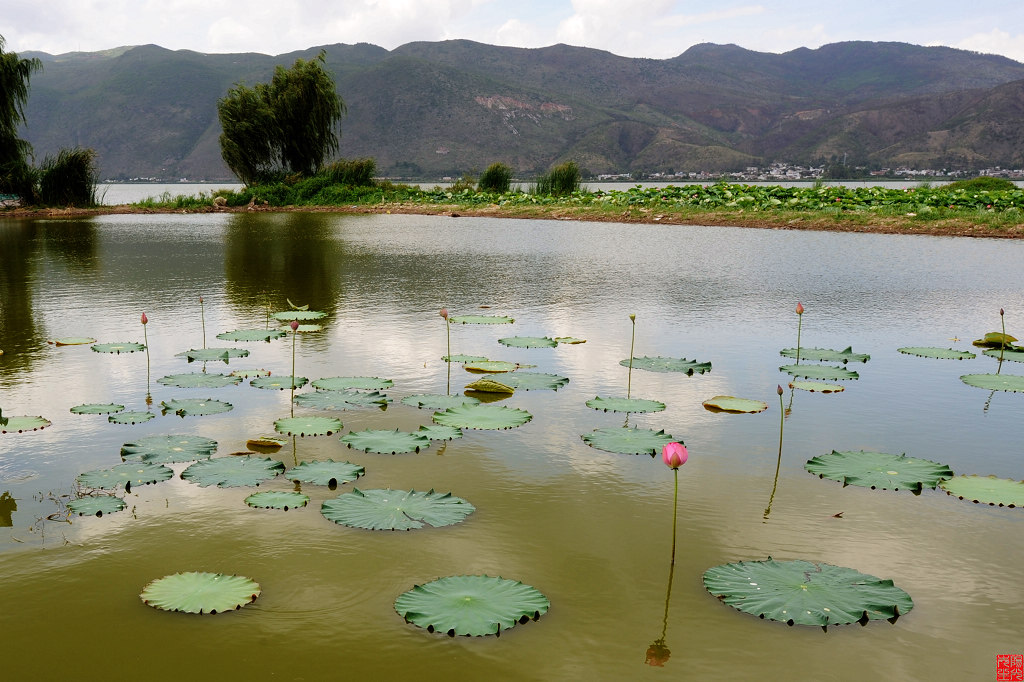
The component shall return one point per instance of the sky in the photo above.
(656, 29)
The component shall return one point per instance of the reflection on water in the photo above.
(588, 528)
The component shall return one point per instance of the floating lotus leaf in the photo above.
(437, 401)
(199, 380)
(383, 441)
(200, 592)
(480, 319)
(490, 385)
(491, 366)
(826, 372)
(270, 383)
(482, 416)
(660, 364)
(231, 472)
(73, 341)
(995, 382)
(270, 443)
(1015, 355)
(341, 400)
(344, 383)
(118, 348)
(938, 353)
(251, 335)
(727, 403)
(303, 328)
(209, 354)
(571, 340)
(806, 593)
(168, 449)
(21, 424)
(327, 472)
(629, 440)
(1004, 492)
(463, 358)
(307, 426)
(995, 340)
(250, 373)
(438, 432)
(826, 354)
(530, 381)
(817, 386)
(879, 470)
(473, 605)
(634, 405)
(528, 342)
(134, 473)
(132, 417)
(97, 505)
(299, 315)
(273, 499)
(195, 407)
(396, 509)
(97, 408)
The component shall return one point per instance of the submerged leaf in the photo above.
(629, 440)
(228, 472)
(307, 426)
(660, 364)
(396, 509)
(879, 470)
(273, 499)
(382, 441)
(199, 380)
(200, 592)
(473, 605)
(299, 315)
(482, 416)
(628, 405)
(250, 373)
(938, 353)
(1004, 492)
(168, 449)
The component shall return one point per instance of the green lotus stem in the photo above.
(675, 508)
(632, 340)
(799, 325)
(202, 317)
(778, 462)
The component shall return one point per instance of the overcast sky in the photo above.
(647, 28)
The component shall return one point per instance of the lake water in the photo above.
(590, 529)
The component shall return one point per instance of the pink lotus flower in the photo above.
(145, 320)
(294, 325)
(799, 308)
(444, 313)
(674, 455)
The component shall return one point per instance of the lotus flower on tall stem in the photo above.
(145, 341)
(632, 340)
(799, 325)
(1002, 346)
(202, 318)
(295, 331)
(778, 462)
(674, 455)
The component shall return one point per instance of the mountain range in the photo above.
(432, 109)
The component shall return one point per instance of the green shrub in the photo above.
(982, 183)
(69, 179)
(497, 178)
(467, 183)
(560, 180)
(357, 172)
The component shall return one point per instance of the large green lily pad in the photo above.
(252, 335)
(345, 383)
(660, 364)
(230, 472)
(279, 383)
(1002, 492)
(826, 372)
(629, 440)
(212, 354)
(275, 499)
(806, 593)
(879, 470)
(72, 341)
(168, 449)
(733, 405)
(480, 319)
(200, 592)
(131, 417)
(96, 505)
(341, 400)
(195, 407)
(199, 380)
(473, 605)
(937, 353)
(528, 342)
(530, 381)
(21, 424)
(326, 472)
(482, 416)
(118, 348)
(383, 441)
(995, 382)
(131, 473)
(396, 509)
(299, 315)
(307, 426)
(438, 401)
(1016, 355)
(629, 405)
(826, 354)
(438, 432)
(97, 408)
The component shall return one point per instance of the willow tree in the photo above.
(288, 125)
(15, 174)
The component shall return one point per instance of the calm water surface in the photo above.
(590, 529)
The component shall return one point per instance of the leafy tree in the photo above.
(15, 174)
(287, 125)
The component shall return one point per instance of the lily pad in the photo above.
(211, 354)
(463, 358)
(396, 509)
(133, 473)
(528, 342)
(995, 382)
(18, 424)
(727, 403)
(1003, 492)
(195, 407)
(97, 408)
(1015, 355)
(488, 384)
(279, 383)
(327, 472)
(250, 373)
(531, 381)
(806, 593)
(344, 383)
(473, 605)
(569, 340)
(482, 416)
(629, 405)
(937, 353)
(491, 366)
(437, 401)
(438, 432)
(383, 441)
(131, 417)
(660, 364)
(341, 400)
(73, 341)
(480, 319)
(303, 328)
(200, 592)
(629, 440)
(879, 470)
(96, 505)
(118, 348)
(199, 380)
(251, 335)
(268, 443)
(299, 315)
(230, 472)
(168, 449)
(273, 499)
(826, 354)
(307, 426)
(995, 340)
(817, 386)
(826, 372)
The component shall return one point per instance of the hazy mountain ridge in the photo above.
(443, 108)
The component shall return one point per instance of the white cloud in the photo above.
(995, 41)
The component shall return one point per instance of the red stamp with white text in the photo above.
(1009, 667)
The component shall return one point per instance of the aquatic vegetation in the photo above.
(464, 358)
(96, 505)
(529, 381)
(826, 372)
(1014, 355)
(660, 364)
(250, 373)
(73, 340)
(118, 348)
(267, 335)
(482, 416)
(437, 401)
(396, 509)
(299, 315)
(825, 354)
(491, 366)
(528, 342)
(272, 383)
(383, 441)
(728, 403)
(817, 386)
(489, 384)
(1002, 492)
(228, 472)
(168, 449)
(97, 408)
(472, 605)
(124, 475)
(345, 383)
(879, 470)
(995, 382)
(480, 319)
(629, 440)
(325, 472)
(274, 499)
(438, 432)
(629, 405)
(341, 400)
(200, 592)
(937, 353)
(212, 354)
(307, 426)
(195, 407)
(131, 417)
(199, 380)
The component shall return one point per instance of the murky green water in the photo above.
(591, 530)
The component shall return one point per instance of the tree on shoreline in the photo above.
(16, 176)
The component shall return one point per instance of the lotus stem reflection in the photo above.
(202, 318)
(632, 339)
(145, 341)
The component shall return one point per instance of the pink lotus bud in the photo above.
(294, 325)
(779, 390)
(674, 454)
(444, 313)
(799, 308)
(200, 299)
(145, 320)
(1000, 312)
